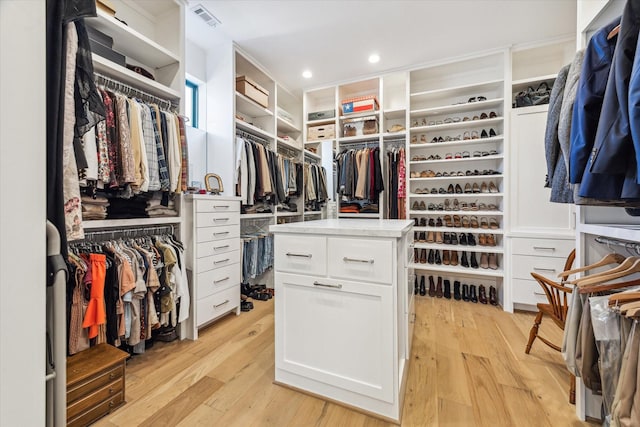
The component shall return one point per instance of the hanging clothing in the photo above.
(397, 192)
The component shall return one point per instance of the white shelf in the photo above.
(395, 135)
(312, 213)
(360, 114)
(285, 126)
(248, 106)
(312, 155)
(358, 215)
(536, 79)
(456, 195)
(467, 159)
(133, 44)
(256, 215)
(462, 90)
(628, 232)
(457, 178)
(460, 230)
(457, 108)
(253, 130)
(285, 214)
(480, 123)
(332, 120)
(289, 144)
(457, 143)
(130, 222)
(353, 139)
(460, 213)
(394, 114)
(317, 141)
(123, 74)
(457, 270)
(461, 248)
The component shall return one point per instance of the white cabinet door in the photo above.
(336, 332)
(531, 209)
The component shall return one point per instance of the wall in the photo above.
(22, 212)
(195, 67)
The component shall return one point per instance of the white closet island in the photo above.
(344, 310)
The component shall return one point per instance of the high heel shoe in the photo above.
(439, 291)
(465, 292)
(484, 260)
(482, 294)
(473, 296)
(454, 258)
(493, 296)
(447, 289)
(473, 260)
(493, 261)
(432, 287)
(423, 288)
(456, 291)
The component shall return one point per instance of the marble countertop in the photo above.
(347, 227)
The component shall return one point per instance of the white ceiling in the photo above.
(334, 38)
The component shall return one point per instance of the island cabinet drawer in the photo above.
(206, 219)
(543, 247)
(217, 247)
(361, 259)
(210, 234)
(217, 206)
(524, 265)
(297, 253)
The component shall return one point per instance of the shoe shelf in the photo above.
(247, 127)
(457, 108)
(462, 213)
(460, 230)
(523, 84)
(250, 107)
(456, 195)
(464, 142)
(457, 178)
(459, 125)
(461, 91)
(466, 159)
(460, 248)
(459, 270)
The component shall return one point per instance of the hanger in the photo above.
(624, 265)
(611, 275)
(623, 297)
(614, 32)
(605, 287)
(608, 259)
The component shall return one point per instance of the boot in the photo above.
(463, 239)
(432, 287)
(474, 261)
(482, 294)
(465, 292)
(493, 296)
(493, 262)
(454, 238)
(484, 260)
(473, 296)
(471, 241)
(438, 260)
(464, 261)
(430, 237)
(446, 257)
(456, 291)
(423, 288)
(447, 289)
(416, 288)
(423, 256)
(439, 292)
(439, 237)
(454, 258)
(416, 255)
(431, 258)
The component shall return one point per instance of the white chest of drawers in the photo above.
(344, 311)
(213, 256)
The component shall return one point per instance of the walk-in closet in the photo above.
(311, 213)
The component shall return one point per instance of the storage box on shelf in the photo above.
(254, 108)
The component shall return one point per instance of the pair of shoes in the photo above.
(486, 240)
(489, 261)
(469, 293)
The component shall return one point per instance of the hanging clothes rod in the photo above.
(398, 141)
(288, 151)
(309, 156)
(126, 233)
(110, 83)
(251, 137)
(615, 242)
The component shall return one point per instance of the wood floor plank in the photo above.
(454, 414)
(174, 411)
(486, 394)
(202, 416)
(525, 408)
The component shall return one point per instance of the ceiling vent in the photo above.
(205, 15)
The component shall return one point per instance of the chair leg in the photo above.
(534, 332)
(572, 389)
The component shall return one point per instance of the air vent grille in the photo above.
(205, 15)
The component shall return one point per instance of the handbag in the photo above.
(531, 96)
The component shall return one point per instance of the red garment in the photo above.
(96, 314)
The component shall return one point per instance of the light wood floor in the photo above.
(468, 368)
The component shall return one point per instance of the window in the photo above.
(191, 103)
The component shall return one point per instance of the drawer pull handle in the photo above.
(544, 248)
(542, 294)
(366, 261)
(552, 270)
(112, 376)
(221, 261)
(221, 233)
(221, 206)
(325, 285)
(110, 390)
(220, 219)
(299, 255)
(217, 248)
(221, 280)
(111, 404)
(221, 304)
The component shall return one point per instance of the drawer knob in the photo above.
(221, 280)
(364, 261)
(299, 255)
(325, 285)
(221, 304)
(221, 261)
(544, 248)
(552, 270)
(217, 248)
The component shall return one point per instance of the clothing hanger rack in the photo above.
(309, 156)
(631, 246)
(359, 145)
(127, 233)
(395, 141)
(290, 152)
(112, 84)
(251, 137)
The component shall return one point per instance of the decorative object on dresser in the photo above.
(212, 227)
(95, 384)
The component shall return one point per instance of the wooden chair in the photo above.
(556, 308)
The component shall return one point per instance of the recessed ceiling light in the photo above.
(307, 74)
(373, 58)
